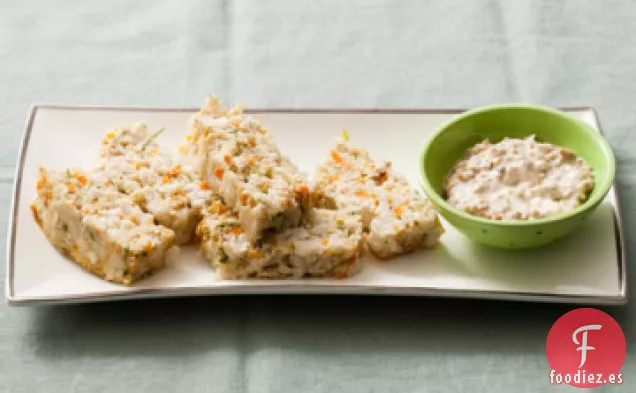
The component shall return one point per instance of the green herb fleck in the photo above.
(64, 227)
(278, 220)
(92, 235)
(222, 255)
(68, 172)
(228, 224)
(152, 138)
(234, 131)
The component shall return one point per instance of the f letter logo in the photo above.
(585, 348)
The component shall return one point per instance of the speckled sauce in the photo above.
(518, 179)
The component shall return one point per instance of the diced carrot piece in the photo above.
(236, 230)
(34, 210)
(70, 187)
(227, 159)
(133, 219)
(82, 180)
(336, 157)
(149, 246)
(222, 209)
(304, 189)
(398, 212)
(244, 198)
(166, 179)
(218, 172)
(361, 193)
(137, 165)
(325, 242)
(204, 185)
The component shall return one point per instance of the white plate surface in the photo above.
(586, 267)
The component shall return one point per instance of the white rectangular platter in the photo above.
(588, 267)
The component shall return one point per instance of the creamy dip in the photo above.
(518, 179)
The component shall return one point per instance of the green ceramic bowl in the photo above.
(450, 141)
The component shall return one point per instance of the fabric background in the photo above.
(375, 53)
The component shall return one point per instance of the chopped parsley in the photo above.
(228, 224)
(223, 255)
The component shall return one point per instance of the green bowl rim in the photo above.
(602, 143)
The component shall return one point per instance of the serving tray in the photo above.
(587, 267)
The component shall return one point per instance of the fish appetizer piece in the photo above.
(172, 192)
(241, 162)
(327, 245)
(396, 217)
(86, 218)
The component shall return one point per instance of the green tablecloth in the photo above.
(306, 54)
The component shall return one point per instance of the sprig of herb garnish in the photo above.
(152, 138)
